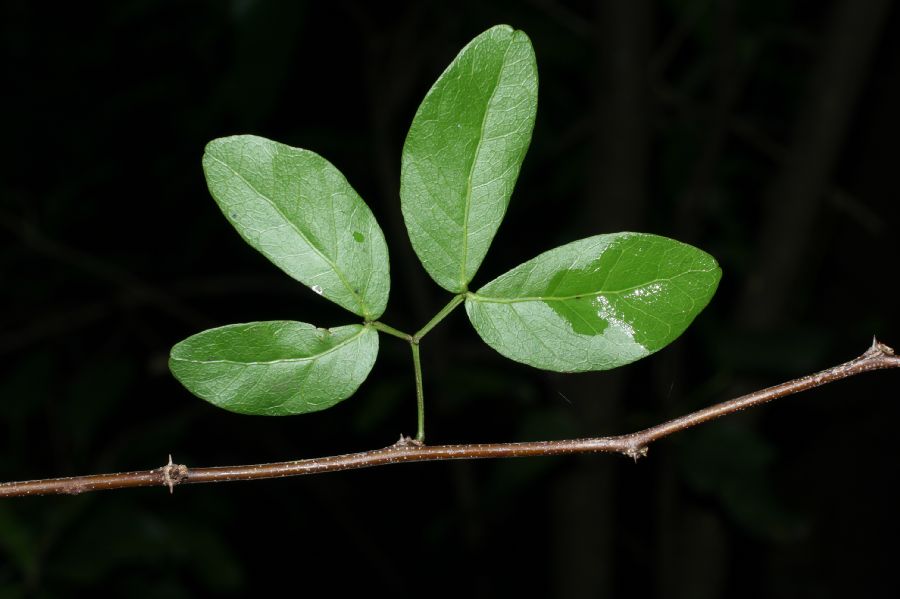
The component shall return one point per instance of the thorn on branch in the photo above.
(878, 349)
(636, 453)
(173, 474)
(405, 441)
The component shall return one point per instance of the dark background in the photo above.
(764, 132)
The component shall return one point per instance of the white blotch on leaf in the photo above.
(607, 312)
(646, 291)
(317, 289)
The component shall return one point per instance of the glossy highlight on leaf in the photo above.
(463, 152)
(595, 304)
(299, 211)
(275, 368)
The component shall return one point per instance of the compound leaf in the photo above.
(299, 211)
(275, 368)
(462, 155)
(595, 304)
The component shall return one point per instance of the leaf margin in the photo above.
(375, 240)
(452, 282)
(475, 302)
(349, 387)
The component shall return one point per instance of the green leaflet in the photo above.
(299, 211)
(462, 155)
(595, 304)
(275, 368)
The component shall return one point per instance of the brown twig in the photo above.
(633, 445)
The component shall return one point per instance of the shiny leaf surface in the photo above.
(300, 212)
(462, 155)
(595, 304)
(275, 368)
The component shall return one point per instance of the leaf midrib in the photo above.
(362, 330)
(538, 298)
(463, 280)
(362, 304)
